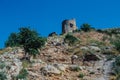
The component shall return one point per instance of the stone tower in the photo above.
(68, 26)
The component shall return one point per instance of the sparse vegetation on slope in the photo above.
(93, 52)
(70, 39)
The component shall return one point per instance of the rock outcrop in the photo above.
(10, 65)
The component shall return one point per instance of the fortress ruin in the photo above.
(68, 26)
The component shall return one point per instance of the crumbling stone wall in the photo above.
(68, 26)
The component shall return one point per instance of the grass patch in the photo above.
(25, 64)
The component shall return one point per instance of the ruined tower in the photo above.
(68, 26)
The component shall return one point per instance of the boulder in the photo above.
(50, 69)
(36, 60)
(95, 48)
(84, 48)
(73, 67)
(61, 67)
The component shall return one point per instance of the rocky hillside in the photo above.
(73, 56)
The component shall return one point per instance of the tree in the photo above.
(29, 39)
(86, 27)
(13, 40)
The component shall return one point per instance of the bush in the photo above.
(3, 76)
(117, 44)
(100, 30)
(86, 27)
(81, 75)
(23, 74)
(31, 40)
(2, 65)
(117, 61)
(70, 39)
(110, 57)
(116, 67)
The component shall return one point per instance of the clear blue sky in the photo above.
(46, 16)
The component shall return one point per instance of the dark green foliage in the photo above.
(86, 27)
(23, 74)
(13, 40)
(70, 39)
(116, 67)
(100, 30)
(117, 44)
(110, 57)
(29, 39)
(81, 75)
(3, 76)
(2, 65)
(117, 61)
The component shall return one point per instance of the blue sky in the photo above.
(46, 16)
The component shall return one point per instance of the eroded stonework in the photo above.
(68, 26)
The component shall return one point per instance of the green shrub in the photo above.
(23, 74)
(70, 39)
(3, 76)
(117, 61)
(13, 40)
(86, 27)
(110, 57)
(117, 44)
(81, 75)
(2, 65)
(116, 67)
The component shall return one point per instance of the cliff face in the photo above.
(86, 59)
(90, 60)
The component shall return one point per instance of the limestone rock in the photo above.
(10, 65)
(50, 69)
(84, 48)
(73, 67)
(95, 48)
(61, 67)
